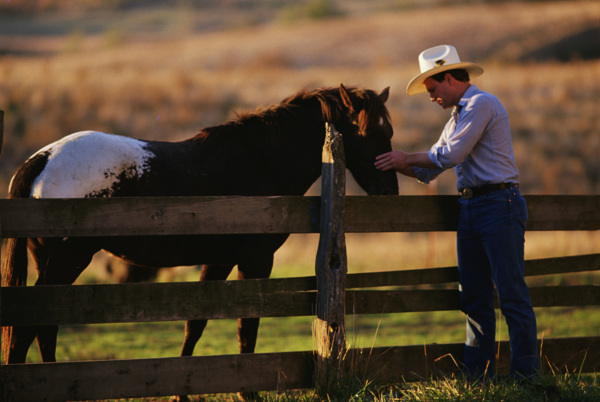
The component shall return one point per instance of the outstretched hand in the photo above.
(396, 160)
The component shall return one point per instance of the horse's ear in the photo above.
(385, 94)
(346, 98)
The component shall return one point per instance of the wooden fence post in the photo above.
(1, 141)
(331, 266)
(1, 129)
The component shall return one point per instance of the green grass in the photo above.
(163, 339)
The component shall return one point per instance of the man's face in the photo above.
(441, 92)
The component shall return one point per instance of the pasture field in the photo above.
(366, 252)
(164, 72)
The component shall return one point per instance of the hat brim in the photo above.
(417, 84)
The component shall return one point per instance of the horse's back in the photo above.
(83, 164)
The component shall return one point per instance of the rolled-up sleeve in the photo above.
(425, 176)
(457, 140)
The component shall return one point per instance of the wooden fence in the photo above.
(87, 304)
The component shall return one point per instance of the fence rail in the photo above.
(258, 372)
(90, 304)
(262, 298)
(152, 216)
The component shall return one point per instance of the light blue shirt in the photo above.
(476, 142)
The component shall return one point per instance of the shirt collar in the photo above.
(467, 95)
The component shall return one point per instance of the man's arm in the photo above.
(403, 162)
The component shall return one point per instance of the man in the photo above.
(476, 141)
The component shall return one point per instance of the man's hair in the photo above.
(459, 75)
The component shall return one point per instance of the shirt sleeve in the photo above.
(456, 143)
(425, 176)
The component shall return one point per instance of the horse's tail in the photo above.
(14, 250)
(14, 273)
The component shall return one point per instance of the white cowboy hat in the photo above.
(436, 60)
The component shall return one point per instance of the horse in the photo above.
(274, 150)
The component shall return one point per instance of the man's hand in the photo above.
(396, 160)
(403, 162)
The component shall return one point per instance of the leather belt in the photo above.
(470, 192)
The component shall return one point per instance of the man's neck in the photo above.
(461, 92)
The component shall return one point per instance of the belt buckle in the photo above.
(466, 193)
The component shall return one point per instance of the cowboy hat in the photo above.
(436, 60)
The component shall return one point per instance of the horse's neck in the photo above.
(293, 149)
(297, 151)
(283, 149)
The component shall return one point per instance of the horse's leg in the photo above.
(194, 328)
(46, 340)
(20, 340)
(58, 262)
(257, 268)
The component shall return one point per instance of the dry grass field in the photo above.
(164, 72)
(167, 69)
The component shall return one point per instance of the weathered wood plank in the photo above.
(158, 216)
(89, 304)
(562, 265)
(410, 277)
(262, 372)
(210, 215)
(563, 212)
(425, 276)
(22, 305)
(440, 213)
(404, 301)
(156, 377)
(401, 213)
(565, 296)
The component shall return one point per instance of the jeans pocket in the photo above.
(519, 207)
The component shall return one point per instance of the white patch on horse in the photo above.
(89, 163)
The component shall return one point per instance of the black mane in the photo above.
(329, 99)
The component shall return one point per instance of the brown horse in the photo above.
(274, 151)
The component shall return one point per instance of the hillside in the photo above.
(165, 72)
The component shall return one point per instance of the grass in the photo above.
(147, 340)
(366, 252)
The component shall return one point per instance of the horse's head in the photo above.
(367, 132)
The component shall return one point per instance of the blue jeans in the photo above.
(490, 248)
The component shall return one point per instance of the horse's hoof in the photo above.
(180, 398)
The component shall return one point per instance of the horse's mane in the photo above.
(329, 99)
